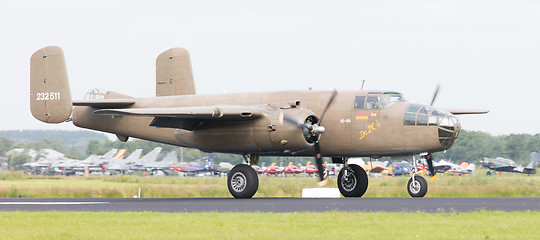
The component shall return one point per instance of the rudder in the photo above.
(50, 95)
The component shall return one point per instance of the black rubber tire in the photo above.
(242, 181)
(357, 183)
(419, 190)
(488, 173)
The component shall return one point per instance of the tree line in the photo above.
(471, 146)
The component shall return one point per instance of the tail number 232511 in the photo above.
(48, 96)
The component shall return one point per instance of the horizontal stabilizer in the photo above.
(465, 111)
(105, 103)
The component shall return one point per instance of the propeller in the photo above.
(435, 94)
(429, 161)
(313, 130)
(317, 147)
(429, 158)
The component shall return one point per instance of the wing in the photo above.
(188, 118)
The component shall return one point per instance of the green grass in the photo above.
(479, 185)
(331, 225)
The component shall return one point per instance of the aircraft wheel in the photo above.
(353, 182)
(242, 181)
(418, 187)
(488, 173)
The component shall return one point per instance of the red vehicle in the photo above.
(258, 169)
(310, 169)
(292, 169)
(273, 169)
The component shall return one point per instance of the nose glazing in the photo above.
(449, 129)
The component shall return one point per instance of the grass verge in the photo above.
(19, 185)
(331, 225)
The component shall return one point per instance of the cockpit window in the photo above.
(377, 100)
(372, 102)
(359, 102)
(389, 98)
(366, 102)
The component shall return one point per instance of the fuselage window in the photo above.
(418, 115)
(409, 119)
(359, 102)
(422, 120)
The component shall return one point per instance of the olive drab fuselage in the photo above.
(376, 128)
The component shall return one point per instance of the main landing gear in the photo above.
(242, 180)
(352, 180)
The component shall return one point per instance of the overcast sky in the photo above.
(486, 54)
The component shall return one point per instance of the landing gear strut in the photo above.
(417, 185)
(352, 180)
(242, 180)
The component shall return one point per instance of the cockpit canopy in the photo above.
(377, 100)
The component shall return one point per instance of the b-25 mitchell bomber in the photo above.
(336, 124)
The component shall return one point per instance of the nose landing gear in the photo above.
(417, 185)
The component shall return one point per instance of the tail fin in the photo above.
(134, 156)
(171, 157)
(110, 153)
(50, 96)
(535, 157)
(173, 73)
(151, 156)
(120, 154)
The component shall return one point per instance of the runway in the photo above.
(277, 205)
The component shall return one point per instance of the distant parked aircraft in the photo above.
(452, 168)
(124, 165)
(161, 168)
(507, 165)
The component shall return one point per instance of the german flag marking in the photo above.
(360, 116)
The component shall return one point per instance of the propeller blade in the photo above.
(429, 161)
(330, 101)
(435, 94)
(318, 161)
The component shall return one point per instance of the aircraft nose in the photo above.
(449, 129)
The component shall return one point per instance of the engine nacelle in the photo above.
(289, 129)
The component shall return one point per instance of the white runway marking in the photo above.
(50, 203)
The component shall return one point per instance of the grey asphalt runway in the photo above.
(270, 204)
